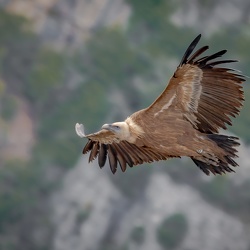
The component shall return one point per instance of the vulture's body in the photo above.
(183, 121)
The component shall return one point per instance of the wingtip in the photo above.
(80, 130)
(190, 49)
(198, 37)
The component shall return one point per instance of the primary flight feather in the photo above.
(184, 120)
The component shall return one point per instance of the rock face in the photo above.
(208, 227)
(89, 206)
(84, 207)
(21, 127)
(221, 13)
(69, 22)
(89, 210)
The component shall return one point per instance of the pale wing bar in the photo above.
(221, 96)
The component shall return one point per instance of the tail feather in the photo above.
(223, 165)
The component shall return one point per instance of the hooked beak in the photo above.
(111, 127)
(107, 126)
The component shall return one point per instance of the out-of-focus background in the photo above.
(95, 62)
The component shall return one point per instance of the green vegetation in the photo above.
(13, 195)
(137, 234)
(110, 61)
(132, 184)
(18, 49)
(152, 31)
(172, 231)
(65, 87)
(83, 215)
(114, 247)
(45, 78)
(217, 189)
(224, 193)
(8, 103)
(23, 194)
(242, 124)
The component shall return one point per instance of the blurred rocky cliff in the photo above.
(93, 210)
(90, 61)
(69, 22)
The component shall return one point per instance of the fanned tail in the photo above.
(228, 144)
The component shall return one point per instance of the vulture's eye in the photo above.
(116, 127)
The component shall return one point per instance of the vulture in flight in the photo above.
(184, 120)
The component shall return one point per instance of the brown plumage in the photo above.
(184, 120)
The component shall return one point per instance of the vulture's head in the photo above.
(121, 129)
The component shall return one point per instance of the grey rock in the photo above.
(87, 188)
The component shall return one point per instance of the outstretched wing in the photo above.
(104, 144)
(206, 95)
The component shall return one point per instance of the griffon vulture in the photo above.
(184, 120)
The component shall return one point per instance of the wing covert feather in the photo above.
(124, 153)
(205, 95)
